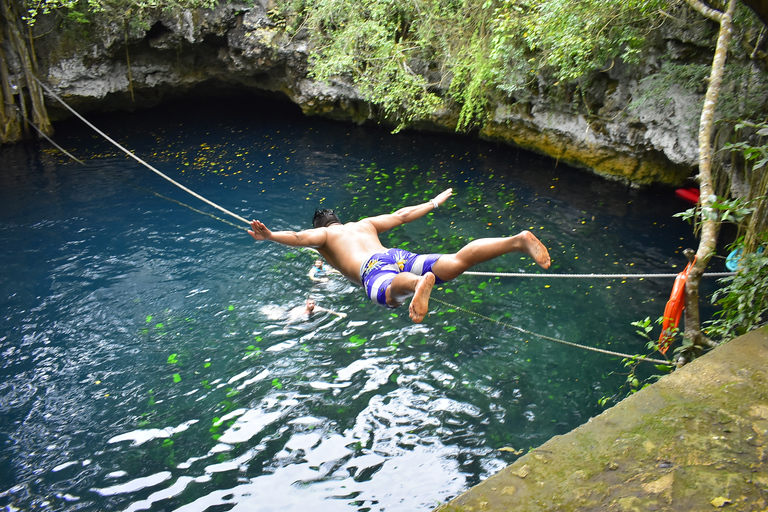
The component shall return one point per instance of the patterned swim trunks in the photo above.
(380, 269)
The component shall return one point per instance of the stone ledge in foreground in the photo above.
(695, 440)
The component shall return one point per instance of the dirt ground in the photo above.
(695, 440)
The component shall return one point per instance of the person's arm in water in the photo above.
(340, 315)
(306, 238)
(409, 213)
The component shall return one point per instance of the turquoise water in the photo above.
(147, 364)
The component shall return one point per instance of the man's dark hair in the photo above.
(324, 218)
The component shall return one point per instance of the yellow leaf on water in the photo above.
(720, 502)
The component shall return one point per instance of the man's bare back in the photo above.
(347, 247)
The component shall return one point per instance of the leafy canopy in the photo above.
(120, 10)
(411, 58)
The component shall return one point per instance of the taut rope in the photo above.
(563, 342)
(589, 276)
(142, 162)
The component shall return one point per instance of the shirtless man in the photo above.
(391, 276)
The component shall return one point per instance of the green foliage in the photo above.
(409, 58)
(634, 382)
(757, 155)
(744, 298)
(80, 11)
(368, 43)
(575, 37)
(721, 210)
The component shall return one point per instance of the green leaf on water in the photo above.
(176, 378)
(173, 358)
(449, 328)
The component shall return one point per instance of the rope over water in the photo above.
(590, 276)
(563, 342)
(142, 162)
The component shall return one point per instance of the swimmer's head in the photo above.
(310, 305)
(324, 218)
(319, 263)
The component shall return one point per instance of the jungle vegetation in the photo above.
(412, 60)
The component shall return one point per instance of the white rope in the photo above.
(637, 358)
(591, 276)
(129, 153)
(38, 130)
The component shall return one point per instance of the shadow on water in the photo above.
(147, 363)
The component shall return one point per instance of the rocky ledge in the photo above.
(242, 46)
(695, 440)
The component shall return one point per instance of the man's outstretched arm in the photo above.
(306, 238)
(409, 213)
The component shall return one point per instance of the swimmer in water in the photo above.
(302, 313)
(319, 270)
(391, 276)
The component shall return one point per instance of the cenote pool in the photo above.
(147, 363)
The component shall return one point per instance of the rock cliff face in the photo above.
(240, 46)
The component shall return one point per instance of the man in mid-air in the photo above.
(391, 276)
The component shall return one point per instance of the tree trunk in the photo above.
(14, 101)
(709, 222)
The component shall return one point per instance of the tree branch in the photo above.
(706, 10)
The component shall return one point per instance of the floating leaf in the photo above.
(173, 358)
(176, 378)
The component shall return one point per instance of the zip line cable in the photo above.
(556, 340)
(138, 159)
(590, 276)
(39, 131)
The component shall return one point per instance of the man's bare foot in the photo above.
(419, 306)
(535, 249)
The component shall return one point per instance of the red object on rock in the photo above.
(689, 194)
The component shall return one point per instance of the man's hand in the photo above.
(259, 231)
(443, 196)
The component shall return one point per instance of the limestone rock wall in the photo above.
(239, 46)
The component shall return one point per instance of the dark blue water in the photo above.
(147, 364)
